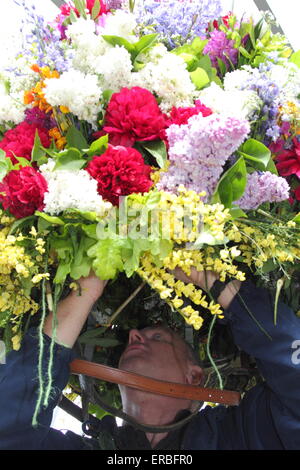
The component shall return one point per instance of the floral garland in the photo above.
(111, 111)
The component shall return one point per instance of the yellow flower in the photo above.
(16, 342)
(33, 231)
(38, 277)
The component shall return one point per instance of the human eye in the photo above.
(157, 336)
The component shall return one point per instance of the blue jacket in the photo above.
(267, 418)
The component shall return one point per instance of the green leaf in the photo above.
(107, 94)
(80, 5)
(257, 153)
(96, 9)
(62, 271)
(236, 213)
(70, 159)
(222, 66)
(199, 44)
(37, 152)
(119, 41)
(295, 58)
(232, 184)
(22, 162)
(92, 333)
(2, 156)
(50, 218)
(3, 170)
(244, 53)
(103, 342)
(21, 223)
(268, 266)
(145, 43)
(297, 219)
(200, 78)
(75, 138)
(271, 167)
(99, 146)
(107, 260)
(157, 148)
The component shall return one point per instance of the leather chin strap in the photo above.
(159, 387)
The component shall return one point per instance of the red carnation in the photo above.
(103, 8)
(288, 161)
(225, 21)
(120, 171)
(181, 116)
(22, 192)
(19, 141)
(134, 115)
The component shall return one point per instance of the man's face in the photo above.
(155, 352)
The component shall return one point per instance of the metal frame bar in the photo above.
(264, 6)
(58, 3)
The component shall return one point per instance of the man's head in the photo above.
(160, 353)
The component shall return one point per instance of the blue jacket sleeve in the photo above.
(275, 410)
(268, 417)
(18, 397)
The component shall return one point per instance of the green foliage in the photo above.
(5, 165)
(99, 146)
(232, 184)
(295, 58)
(200, 78)
(76, 139)
(157, 148)
(96, 9)
(134, 49)
(256, 154)
(38, 154)
(70, 159)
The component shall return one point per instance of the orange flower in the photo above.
(36, 95)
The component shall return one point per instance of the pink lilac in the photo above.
(220, 47)
(263, 187)
(199, 149)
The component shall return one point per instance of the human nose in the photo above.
(136, 336)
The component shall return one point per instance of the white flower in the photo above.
(71, 189)
(115, 68)
(120, 23)
(243, 104)
(166, 75)
(77, 91)
(87, 46)
(287, 77)
(235, 80)
(12, 86)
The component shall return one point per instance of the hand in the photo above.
(91, 286)
(202, 279)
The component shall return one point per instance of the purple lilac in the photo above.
(49, 49)
(269, 93)
(178, 21)
(39, 118)
(219, 47)
(198, 151)
(263, 187)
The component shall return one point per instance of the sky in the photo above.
(287, 12)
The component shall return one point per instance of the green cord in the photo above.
(51, 350)
(41, 350)
(221, 385)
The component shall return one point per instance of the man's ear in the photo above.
(195, 375)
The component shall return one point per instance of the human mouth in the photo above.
(135, 346)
